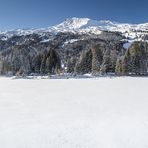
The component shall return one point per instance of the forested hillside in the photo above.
(78, 49)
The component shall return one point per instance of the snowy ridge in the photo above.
(86, 25)
(74, 23)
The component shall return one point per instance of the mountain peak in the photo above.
(74, 23)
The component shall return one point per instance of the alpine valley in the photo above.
(77, 46)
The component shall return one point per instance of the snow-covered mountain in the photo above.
(86, 25)
(75, 46)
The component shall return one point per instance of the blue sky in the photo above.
(43, 13)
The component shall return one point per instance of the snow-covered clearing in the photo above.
(74, 113)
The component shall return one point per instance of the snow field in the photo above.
(74, 113)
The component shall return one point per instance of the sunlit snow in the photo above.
(74, 113)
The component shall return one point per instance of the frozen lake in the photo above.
(80, 113)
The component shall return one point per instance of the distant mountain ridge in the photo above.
(86, 25)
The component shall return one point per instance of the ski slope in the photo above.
(74, 113)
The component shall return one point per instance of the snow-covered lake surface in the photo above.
(80, 113)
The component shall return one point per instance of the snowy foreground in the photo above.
(80, 113)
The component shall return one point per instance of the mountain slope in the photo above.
(86, 25)
(76, 46)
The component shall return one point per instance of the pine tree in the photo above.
(84, 64)
(118, 68)
(97, 58)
